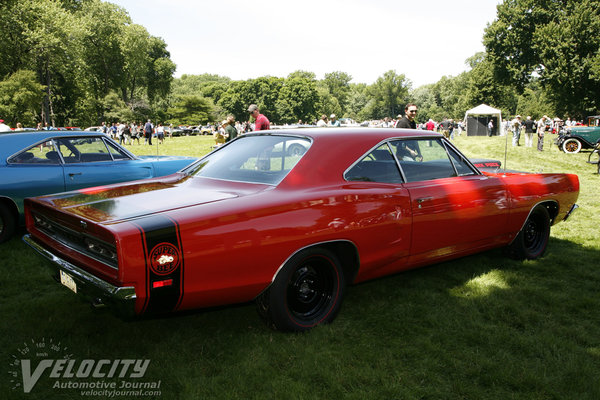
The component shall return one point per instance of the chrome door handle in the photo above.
(421, 200)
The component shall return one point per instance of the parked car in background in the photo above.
(93, 129)
(42, 162)
(250, 221)
(576, 138)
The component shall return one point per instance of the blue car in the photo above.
(44, 162)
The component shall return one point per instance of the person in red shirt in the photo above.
(262, 123)
(430, 125)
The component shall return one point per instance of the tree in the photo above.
(555, 41)
(390, 95)
(191, 110)
(338, 85)
(297, 99)
(483, 87)
(20, 97)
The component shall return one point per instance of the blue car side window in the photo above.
(39, 154)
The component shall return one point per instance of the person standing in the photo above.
(135, 134)
(261, 122)
(322, 122)
(490, 127)
(515, 126)
(160, 133)
(528, 124)
(113, 131)
(430, 125)
(541, 128)
(230, 130)
(148, 128)
(408, 120)
(4, 127)
(333, 121)
(121, 133)
(445, 127)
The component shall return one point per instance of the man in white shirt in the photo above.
(4, 127)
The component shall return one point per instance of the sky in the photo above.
(422, 39)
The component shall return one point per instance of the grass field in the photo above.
(482, 327)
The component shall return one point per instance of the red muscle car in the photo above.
(256, 221)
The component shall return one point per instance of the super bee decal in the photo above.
(164, 263)
(164, 258)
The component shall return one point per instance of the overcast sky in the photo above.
(422, 39)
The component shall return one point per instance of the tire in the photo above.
(532, 240)
(308, 291)
(7, 224)
(571, 146)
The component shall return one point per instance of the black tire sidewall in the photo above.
(278, 308)
(8, 224)
(519, 248)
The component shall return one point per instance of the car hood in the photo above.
(112, 203)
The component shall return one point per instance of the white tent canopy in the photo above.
(483, 110)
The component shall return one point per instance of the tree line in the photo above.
(80, 62)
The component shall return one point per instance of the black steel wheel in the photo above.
(7, 224)
(532, 240)
(307, 291)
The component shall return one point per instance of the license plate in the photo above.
(68, 281)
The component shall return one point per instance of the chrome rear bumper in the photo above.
(571, 211)
(94, 289)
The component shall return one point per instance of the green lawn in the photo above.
(482, 327)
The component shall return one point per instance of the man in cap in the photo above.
(262, 123)
(333, 121)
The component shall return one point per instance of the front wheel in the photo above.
(532, 240)
(572, 146)
(7, 224)
(307, 291)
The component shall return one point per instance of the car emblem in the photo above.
(83, 224)
(164, 258)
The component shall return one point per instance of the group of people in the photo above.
(332, 121)
(128, 132)
(529, 127)
(229, 129)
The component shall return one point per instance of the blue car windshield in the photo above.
(254, 158)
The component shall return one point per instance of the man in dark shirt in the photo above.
(408, 121)
(529, 124)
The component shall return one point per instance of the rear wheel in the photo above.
(571, 145)
(307, 291)
(7, 224)
(532, 240)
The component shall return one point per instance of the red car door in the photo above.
(455, 209)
